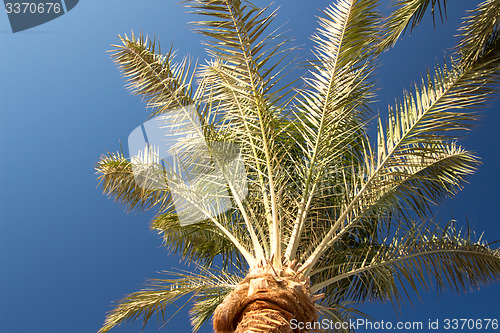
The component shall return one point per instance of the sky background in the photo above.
(67, 251)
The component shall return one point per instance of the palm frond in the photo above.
(238, 32)
(424, 257)
(340, 313)
(198, 242)
(406, 15)
(206, 198)
(479, 31)
(266, 163)
(411, 187)
(240, 81)
(418, 127)
(332, 109)
(117, 180)
(426, 178)
(161, 82)
(203, 286)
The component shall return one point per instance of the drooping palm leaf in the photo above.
(161, 82)
(199, 242)
(479, 31)
(406, 15)
(162, 292)
(424, 257)
(117, 180)
(165, 85)
(416, 130)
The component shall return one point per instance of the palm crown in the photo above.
(322, 200)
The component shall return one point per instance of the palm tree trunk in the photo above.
(265, 301)
(263, 316)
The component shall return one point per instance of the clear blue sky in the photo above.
(67, 251)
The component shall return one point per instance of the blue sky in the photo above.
(67, 251)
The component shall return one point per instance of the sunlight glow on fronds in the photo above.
(319, 194)
(331, 110)
(417, 127)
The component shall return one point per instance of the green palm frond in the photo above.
(479, 32)
(241, 79)
(166, 85)
(415, 130)
(406, 15)
(206, 288)
(202, 200)
(339, 312)
(424, 257)
(314, 187)
(161, 82)
(205, 305)
(198, 242)
(438, 108)
(238, 33)
(411, 187)
(117, 180)
(331, 111)
(425, 179)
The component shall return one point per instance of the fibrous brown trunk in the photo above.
(265, 301)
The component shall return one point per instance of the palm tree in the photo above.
(325, 217)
